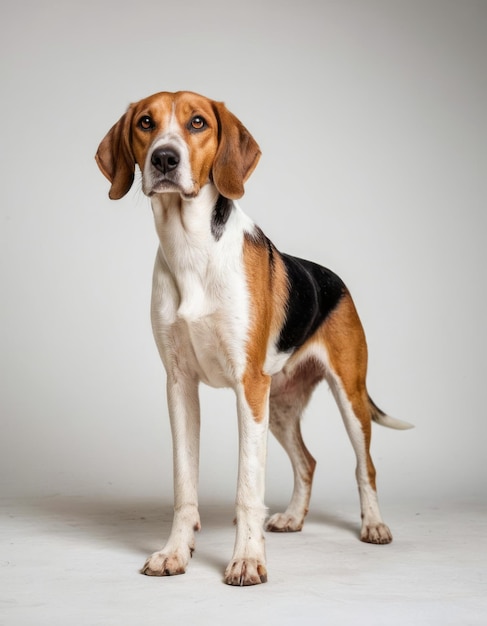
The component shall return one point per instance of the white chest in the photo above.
(203, 327)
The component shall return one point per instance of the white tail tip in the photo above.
(392, 422)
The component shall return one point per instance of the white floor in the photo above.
(72, 560)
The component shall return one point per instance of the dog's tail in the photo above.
(381, 418)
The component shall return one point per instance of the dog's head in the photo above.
(180, 141)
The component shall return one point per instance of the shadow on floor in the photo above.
(142, 525)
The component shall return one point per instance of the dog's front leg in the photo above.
(248, 564)
(183, 401)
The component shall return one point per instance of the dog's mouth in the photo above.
(169, 186)
(162, 186)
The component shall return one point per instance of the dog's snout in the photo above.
(165, 159)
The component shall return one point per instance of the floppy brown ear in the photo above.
(115, 158)
(236, 156)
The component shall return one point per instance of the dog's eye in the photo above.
(198, 123)
(146, 123)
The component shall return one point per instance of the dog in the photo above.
(230, 310)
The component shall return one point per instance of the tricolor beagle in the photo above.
(230, 310)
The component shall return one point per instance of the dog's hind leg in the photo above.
(356, 416)
(347, 352)
(289, 396)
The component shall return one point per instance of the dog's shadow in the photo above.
(335, 521)
(142, 525)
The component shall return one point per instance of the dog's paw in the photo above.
(161, 564)
(376, 533)
(245, 572)
(284, 523)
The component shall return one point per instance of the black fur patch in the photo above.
(314, 292)
(219, 218)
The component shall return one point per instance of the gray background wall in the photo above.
(371, 119)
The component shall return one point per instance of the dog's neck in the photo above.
(198, 234)
(200, 239)
(198, 218)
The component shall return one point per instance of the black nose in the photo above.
(165, 159)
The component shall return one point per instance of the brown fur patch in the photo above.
(345, 340)
(267, 285)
